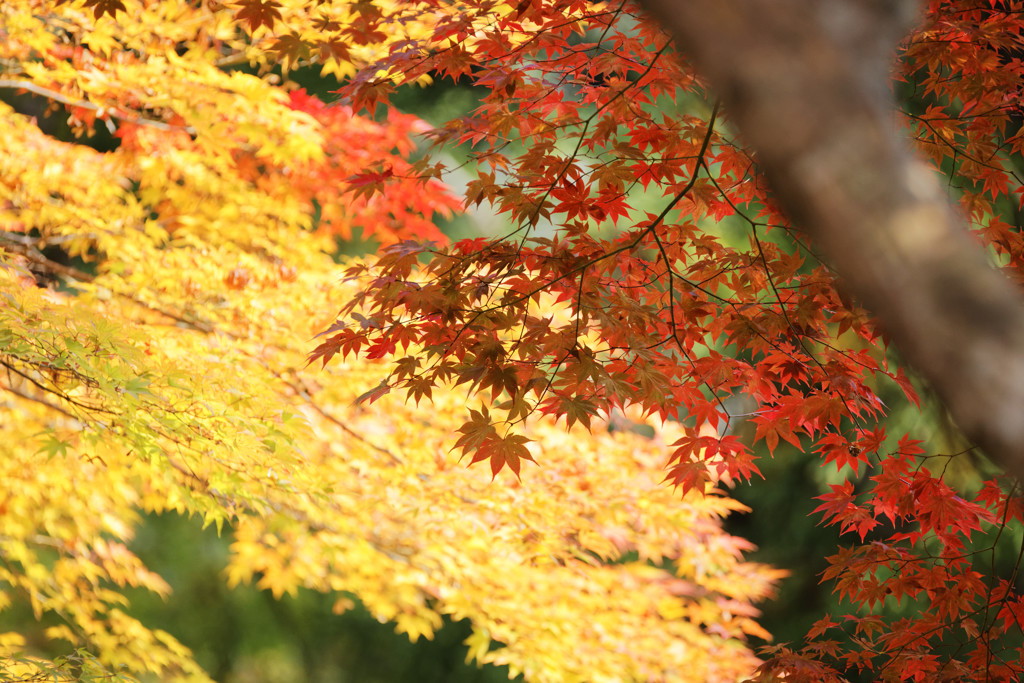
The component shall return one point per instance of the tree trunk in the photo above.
(806, 84)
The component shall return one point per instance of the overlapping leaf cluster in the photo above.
(158, 301)
(679, 289)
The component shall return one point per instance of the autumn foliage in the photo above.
(162, 362)
(168, 225)
(648, 267)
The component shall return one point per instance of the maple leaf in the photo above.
(325, 24)
(510, 450)
(689, 476)
(771, 427)
(576, 409)
(101, 7)
(837, 503)
(476, 432)
(258, 12)
(333, 49)
(289, 49)
(368, 182)
(819, 627)
(835, 448)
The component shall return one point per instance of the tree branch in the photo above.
(28, 86)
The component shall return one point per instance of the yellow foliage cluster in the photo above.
(167, 374)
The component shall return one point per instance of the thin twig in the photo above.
(16, 84)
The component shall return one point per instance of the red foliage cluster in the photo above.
(603, 296)
(391, 199)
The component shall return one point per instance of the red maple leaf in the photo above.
(256, 12)
(101, 7)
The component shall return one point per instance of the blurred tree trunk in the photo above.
(806, 83)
